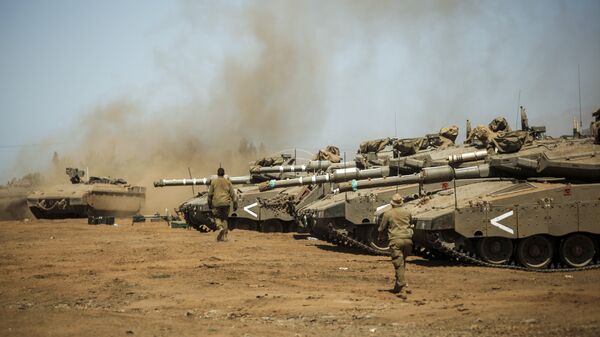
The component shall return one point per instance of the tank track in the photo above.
(462, 256)
(445, 249)
(338, 237)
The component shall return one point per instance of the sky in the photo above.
(109, 83)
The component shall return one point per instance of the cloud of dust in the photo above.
(247, 78)
(262, 99)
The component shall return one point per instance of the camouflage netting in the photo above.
(282, 202)
(410, 146)
(331, 153)
(483, 134)
(450, 132)
(270, 161)
(512, 141)
(373, 145)
(498, 135)
(499, 124)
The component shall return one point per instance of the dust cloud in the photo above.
(254, 107)
(246, 79)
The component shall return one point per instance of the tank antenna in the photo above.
(518, 110)
(579, 81)
(190, 172)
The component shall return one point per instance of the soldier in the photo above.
(220, 197)
(397, 223)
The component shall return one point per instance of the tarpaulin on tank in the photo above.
(450, 132)
(509, 142)
(331, 153)
(410, 146)
(270, 161)
(440, 142)
(499, 124)
(375, 145)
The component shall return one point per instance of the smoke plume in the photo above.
(245, 79)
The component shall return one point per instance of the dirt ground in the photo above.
(66, 277)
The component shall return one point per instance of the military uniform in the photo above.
(396, 222)
(220, 197)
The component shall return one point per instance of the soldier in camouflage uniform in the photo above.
(396, 222)
(220, 197)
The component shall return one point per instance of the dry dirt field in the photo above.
(67, 278)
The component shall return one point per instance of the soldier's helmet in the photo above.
(396, 200)
(220, 172)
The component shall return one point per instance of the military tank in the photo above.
(96, 196)
(13, 197)
(534, 209)
(267, 211)
(346, 218)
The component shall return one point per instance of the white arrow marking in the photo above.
(495, 222)
(247, 209)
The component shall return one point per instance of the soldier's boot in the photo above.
(220, 235)
(225, 232)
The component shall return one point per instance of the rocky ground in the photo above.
(66, 277)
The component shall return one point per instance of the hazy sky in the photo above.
(319, 72)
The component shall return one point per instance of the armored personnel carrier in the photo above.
(535, 209)
(80, 199)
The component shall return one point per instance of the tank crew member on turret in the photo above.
(221, 196)
(396, 221)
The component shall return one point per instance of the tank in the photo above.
(268, 211)
(96, 196)
(528, 210)
(13, 197)
(347, 218)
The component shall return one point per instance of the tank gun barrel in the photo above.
(467, 157)
(426, 176)
(200, 181)
(337, 176)
(315, 165)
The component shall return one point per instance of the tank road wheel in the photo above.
(374, 242)
(495, 250)
(535, 252)
(577, 250)
(271, 226)
(245, 224)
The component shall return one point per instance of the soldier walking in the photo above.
(220, 197)
(396, 221)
